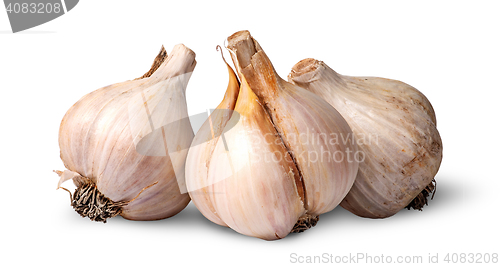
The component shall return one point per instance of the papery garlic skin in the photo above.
(98, 142)
(259, 195)
(395, 127)
(203, 145)
(296, 113)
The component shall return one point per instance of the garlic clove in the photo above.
(262, 195)
(319, 139)
(395, 127)
(202, 147)
(101, 138)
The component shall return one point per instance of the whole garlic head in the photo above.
(273, 169)
(395, 127)
(130, 136)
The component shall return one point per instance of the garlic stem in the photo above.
(252, 63)
(162, 55)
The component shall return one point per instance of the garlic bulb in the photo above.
(311, 129)
(125, 145)
(395, 126)
(275, 168)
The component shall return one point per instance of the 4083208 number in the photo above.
(471, 258)
(34, 8)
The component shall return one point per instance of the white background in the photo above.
(449, 50)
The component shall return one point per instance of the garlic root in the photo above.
(305, 222)
(421, 199)
(89, 202)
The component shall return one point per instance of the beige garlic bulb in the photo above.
(308, 125)
(274, 168)
(124, 145)
(395, 127)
